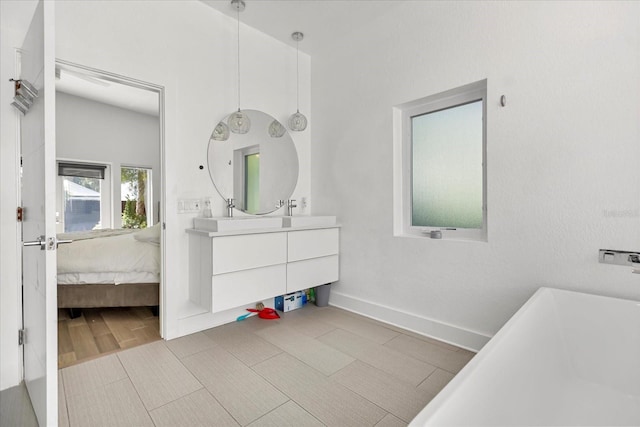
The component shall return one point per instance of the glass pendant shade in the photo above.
(239, 122)
(297, 122)
(276, 130)
(221, 132)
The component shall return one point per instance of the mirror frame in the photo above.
(277, 167)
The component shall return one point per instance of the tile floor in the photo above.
(16, 409)
(313, 367)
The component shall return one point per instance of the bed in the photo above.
(109, 268)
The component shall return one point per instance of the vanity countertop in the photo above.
(257, 230)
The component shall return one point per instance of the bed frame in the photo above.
(107, 295)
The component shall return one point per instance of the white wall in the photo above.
(92, 131)
(190, 49)
(15, 17)
(563, 157)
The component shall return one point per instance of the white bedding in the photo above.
(94, 234)
(116, 259)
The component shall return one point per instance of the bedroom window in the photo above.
(439, 166)
(84, 192)
(136, 197)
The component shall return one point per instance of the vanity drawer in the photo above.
(311, 272)
(235, 253)
(245, 287)
(306, 244)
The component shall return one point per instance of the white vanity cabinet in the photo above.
(312, 258)
(228, 270)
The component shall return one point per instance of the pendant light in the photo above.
(239, 121)
(297, 121)
(220, 132)
(276, 130)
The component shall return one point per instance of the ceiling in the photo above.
(108, 92)
(323, 22)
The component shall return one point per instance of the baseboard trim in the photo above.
(450, 334)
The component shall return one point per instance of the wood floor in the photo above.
(101, 331)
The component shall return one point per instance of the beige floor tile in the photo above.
(449, 360)
(63, 415)
(402, 400)
(425, 338)
(190, 344)
(238, 339)
(241, 391)
(287, 415)
(391, 420)
(436, 381)
(265, 373)
(328, 401)
(16, 409)
(306, 322)
(157, 374)
(373, 331)
(314, 353)
(401, 366)
(254, 323)
(115, 404)
(198, 409)
(467, 352)
(90, 375)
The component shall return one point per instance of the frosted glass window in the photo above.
(439, 165)
(447, 167)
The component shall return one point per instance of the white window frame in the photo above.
(402, 160)
(149, 193)
(106, 201)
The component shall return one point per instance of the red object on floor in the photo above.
(265, 313)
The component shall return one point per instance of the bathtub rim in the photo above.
(441, 399)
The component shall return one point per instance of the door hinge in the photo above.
(19, 213)
(20, 336)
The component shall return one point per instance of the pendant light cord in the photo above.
(238, 57)
(297, 76)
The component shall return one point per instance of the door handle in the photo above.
(63, 242)
(40, 242)
(49, 243)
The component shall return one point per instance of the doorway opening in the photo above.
(110, 152)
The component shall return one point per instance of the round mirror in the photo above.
(257, 169)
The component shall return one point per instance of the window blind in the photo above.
(83, 170)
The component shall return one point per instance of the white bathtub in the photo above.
(565, 358)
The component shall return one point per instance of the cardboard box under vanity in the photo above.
(290, 301)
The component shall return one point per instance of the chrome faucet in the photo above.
(290, 205)
(230, 206)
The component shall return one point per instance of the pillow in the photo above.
(149, 234)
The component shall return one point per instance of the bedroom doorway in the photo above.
(111, 140)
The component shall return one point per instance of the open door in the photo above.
(37, 129)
